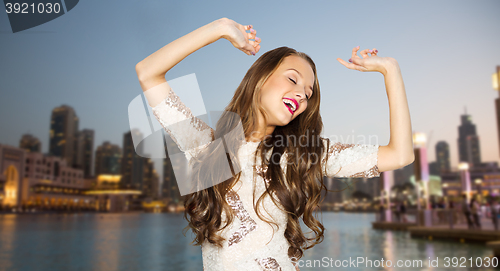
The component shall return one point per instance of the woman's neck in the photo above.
(260, 133)
(257, 136)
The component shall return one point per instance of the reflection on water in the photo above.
(349, 235)
(155, 242)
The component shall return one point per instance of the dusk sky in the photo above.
(447, 52)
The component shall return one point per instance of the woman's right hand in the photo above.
(239, 38)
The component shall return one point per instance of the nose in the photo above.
(300, 93)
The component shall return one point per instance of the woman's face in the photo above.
(285, 93)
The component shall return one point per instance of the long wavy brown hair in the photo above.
(297, 191)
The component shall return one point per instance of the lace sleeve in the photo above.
(190, 133)
(350, 160)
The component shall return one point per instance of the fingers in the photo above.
(253, 40)
(255, 47)
(252, 34)
(351, 66)
(251, 47)
(372, 52)
(354, 51)
(364, 53)
(356, 63)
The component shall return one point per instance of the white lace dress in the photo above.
(250, 243)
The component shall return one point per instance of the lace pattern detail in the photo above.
(268, 264)
(259, 170)
(335, 149)
(174, 101)
(372, 172)
(178, 121)
(247, 223)
(351, 160)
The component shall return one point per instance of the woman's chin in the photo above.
(285, 121)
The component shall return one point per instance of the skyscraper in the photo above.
(132, 164)
(170, 189)
(107, 159)
(468, 142)
(63, 127)
(496, 86)
(30, 143)
(85, 151)
(150, 179)
(443, 156)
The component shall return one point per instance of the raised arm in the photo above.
(190, 133)
(151, 70)
(399, 152)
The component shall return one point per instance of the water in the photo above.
(145, 241)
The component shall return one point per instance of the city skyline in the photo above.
(90, 65)
(33, 143)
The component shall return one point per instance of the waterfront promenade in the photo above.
(446, 225)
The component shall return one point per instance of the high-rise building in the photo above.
(132, 164)
(443, 156)
(434, 168)
(473, 151)
(85, 151)
(30, 143)
(468, 142)
(108, 159)
(403, 175)
(149, 180)
(496, 86)
(170, 189)
(63, 128)
(156, 186)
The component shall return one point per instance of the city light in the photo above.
(419, 139)
(463, 166)
(494, 80)
(121, 192)
(109, 178)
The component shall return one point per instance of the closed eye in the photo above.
(296, 83)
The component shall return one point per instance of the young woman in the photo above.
(251, 220)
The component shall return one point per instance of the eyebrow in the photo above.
(302, 77)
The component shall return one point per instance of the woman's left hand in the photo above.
(368, 63)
